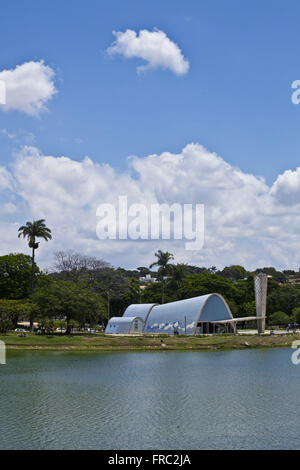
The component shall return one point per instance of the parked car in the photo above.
(21, 330)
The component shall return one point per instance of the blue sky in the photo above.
(235, 99)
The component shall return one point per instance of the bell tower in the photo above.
(260, 288)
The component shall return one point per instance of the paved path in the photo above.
(267, 332)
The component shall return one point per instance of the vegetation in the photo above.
(32, 231)
(84, 290)
(234, 272)
(103, 343)
(163, 262)
(69, 301)
(15, 273)
(11, 311)
(296, 315)
(279, 318)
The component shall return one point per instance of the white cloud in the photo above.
(21, 136)
(247, 222)
(287, 187)
(9, 135)
(6, 180)
(9, 208)
(152, 46)
(28, 87)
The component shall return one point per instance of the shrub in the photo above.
(279, 318)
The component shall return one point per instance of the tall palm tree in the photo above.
(32, 231)
(162, 262)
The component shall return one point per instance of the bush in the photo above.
(46, 325)
(296, 314)
(279, 318)
(5, 323)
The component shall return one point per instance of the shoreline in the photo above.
(103, 343)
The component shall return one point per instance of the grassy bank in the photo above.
(100, 342)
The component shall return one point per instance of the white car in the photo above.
(21, 330)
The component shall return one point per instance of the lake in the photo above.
(158, 400)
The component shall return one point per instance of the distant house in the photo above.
(293, 279)
(148, 278)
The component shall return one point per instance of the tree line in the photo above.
(83, 290)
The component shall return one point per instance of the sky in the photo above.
(165, 102)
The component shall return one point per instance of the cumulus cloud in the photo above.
(9, 208)
(9, 135)
(6, 180)
(154, 47)
(287, 187)
(246, 221)
(28, 87)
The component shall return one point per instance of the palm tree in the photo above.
(32, 231)
(162, 261)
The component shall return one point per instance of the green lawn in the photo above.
(101, 342)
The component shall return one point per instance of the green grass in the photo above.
(101, 342)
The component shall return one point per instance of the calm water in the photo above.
(184, 400)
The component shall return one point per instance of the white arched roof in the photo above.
(205, 308)
(121, 325)
(139, 310)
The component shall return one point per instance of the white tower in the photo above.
(260, 288)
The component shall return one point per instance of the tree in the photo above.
(201, 284)
(113, 285)
(75, 266)
(279, 318)
(296, 315)
(12, 310)
(276, 275)
(70, 301)
(177, 272)
(32, 231)
(197, 269)
(213, 269)
(152, 293)
(234, 272)
(5, 322)
(143, 270)
(163, 260)
(134, 292)
(15, 275)
(46, 325)
(250, 309)
(15, 270)
(284, 299)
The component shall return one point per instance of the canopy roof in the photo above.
(138, 310)
(117, 325)
(186, 314)
(235, 320)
